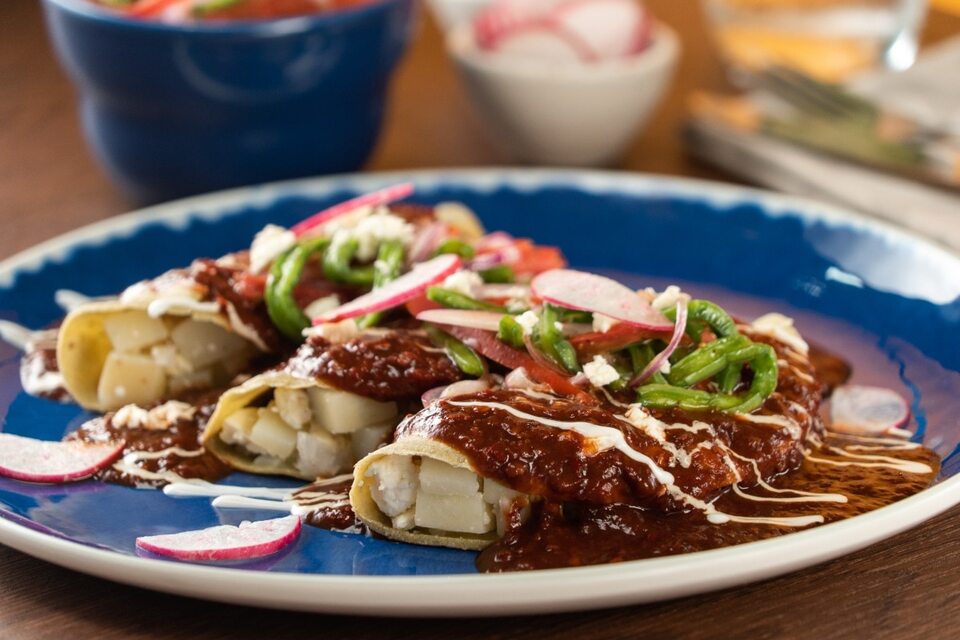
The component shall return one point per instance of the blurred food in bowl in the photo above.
(450, 13)
(830, 40)
(203, 10)
(174, 108)
(564, 82)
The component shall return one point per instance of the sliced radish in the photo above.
(249, 540)
(53, 462)
(486, 320)
(679, 328)
(864, 410)
(609, 29)
(597, 294)
(406, 287)
(564, 30)
(375, 199)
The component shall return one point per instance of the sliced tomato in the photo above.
(251, 285)
(421, 304)
(489, 346)
(536, 259)
(150, 8)
(620, 336)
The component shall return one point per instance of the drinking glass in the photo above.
(831, 40)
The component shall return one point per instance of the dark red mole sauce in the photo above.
(595, 508)
(183, 432)
(383, 365)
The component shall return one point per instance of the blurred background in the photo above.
(782, 93)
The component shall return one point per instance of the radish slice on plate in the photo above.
(486, 320)
(863, 410)
(53, 462)
(405, 288)
(249, 540)
(377, 198)
(597, 294)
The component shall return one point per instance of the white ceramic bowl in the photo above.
(580, 115)
(451, 13)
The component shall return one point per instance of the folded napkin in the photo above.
(928, 93)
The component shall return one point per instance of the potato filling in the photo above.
(319, 432)
(428, 494)
(152, 358)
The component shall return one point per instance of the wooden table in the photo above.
(906, 587)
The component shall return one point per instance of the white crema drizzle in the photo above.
(300, 501)
(611, 438)
(129, 464)
(180, 305)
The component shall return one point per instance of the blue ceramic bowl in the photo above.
(171, 110)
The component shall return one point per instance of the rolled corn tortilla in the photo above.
(369, 507)
(316, 431)
(156, 353)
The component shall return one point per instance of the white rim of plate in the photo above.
(456, 595)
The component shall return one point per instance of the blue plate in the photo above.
(886, 300)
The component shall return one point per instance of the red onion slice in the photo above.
(597, 294)
(403, 289)
(249, 540)
(486, 320)
(541, 358)
(679, 328)
(427, 242)
(376, 198)
(863, 410)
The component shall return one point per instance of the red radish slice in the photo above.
(607, 28)
(375, 199)
(679, 328)
(486, 320)
(406, 287)
(863, 410)
(597, 294)
(53, 462)
(486, 344)
(249, 540)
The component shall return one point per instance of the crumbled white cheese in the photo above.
(642, 420)
(780, 327)
(667, 299)
(268, 244)
(165, 415)
(130, 416)
(464, 281)
(322, 305)
(160, 417)
(335, 332)
(602, 323)
(527, 321)
(665, 367)
(599, 372)
(372, 230)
